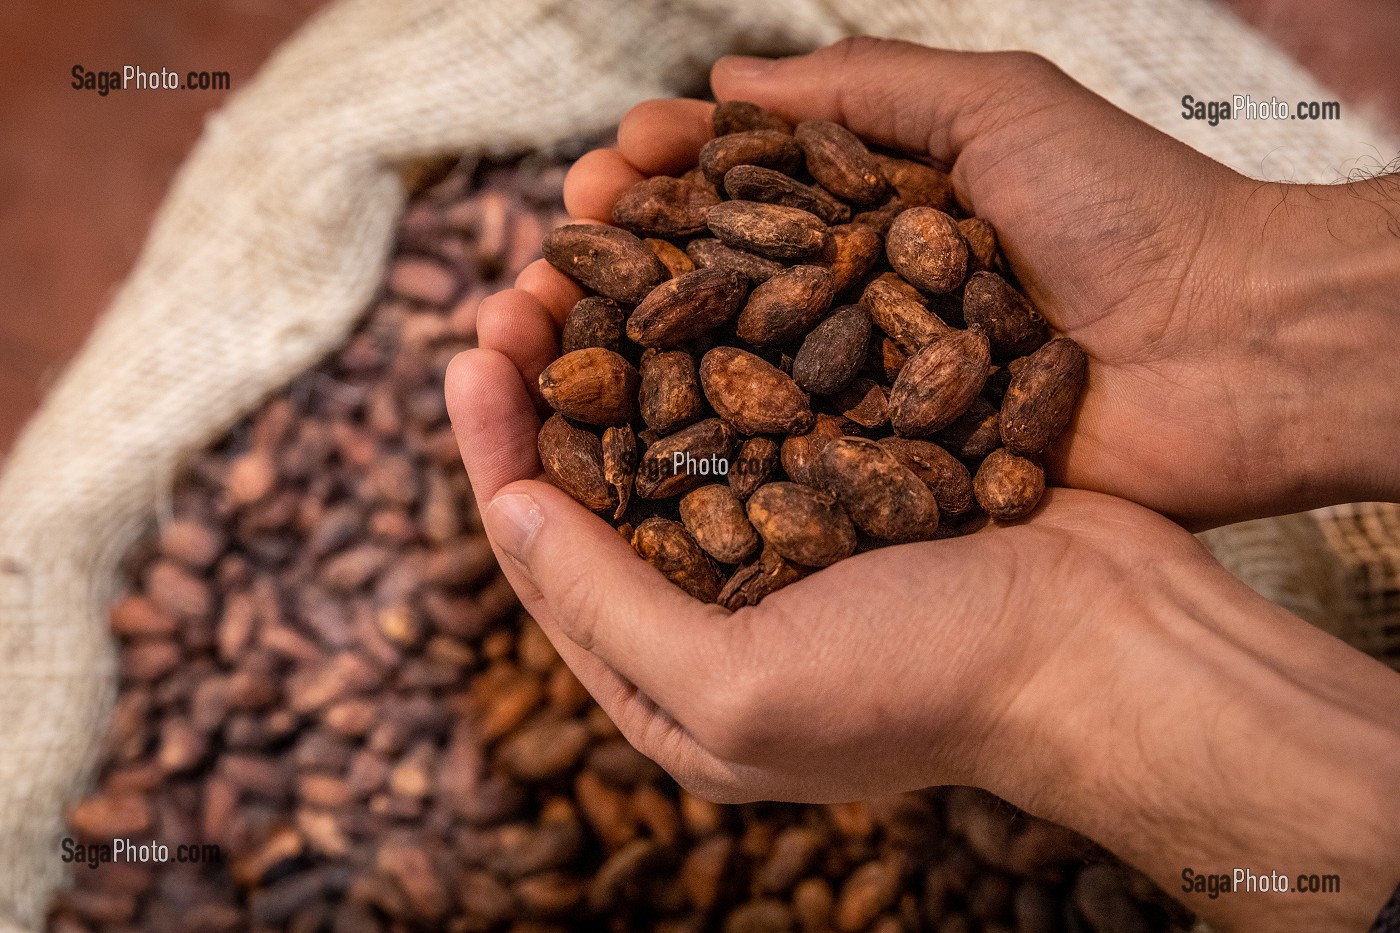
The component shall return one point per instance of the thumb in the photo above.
(906, 96)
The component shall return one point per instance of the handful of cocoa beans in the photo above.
(794, 351)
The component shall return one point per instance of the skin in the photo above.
(1091, 664)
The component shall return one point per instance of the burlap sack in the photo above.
(274, 235)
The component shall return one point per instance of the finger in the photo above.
(616, 607)
(663, 137)
(517, 325)
(596, 181)
(899, 94)
(493, 419)
(552, 288)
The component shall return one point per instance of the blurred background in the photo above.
(81, 175)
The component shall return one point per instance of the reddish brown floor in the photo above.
(80, 175)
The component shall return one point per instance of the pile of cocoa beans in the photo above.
(328, 690)
(798, 350)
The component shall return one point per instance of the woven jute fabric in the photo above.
(274, 235)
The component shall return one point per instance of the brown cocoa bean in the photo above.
(799, 452)
(751, 394)
(739, 116)
(691, 457)
(982, 249)
(786, 306)
(688, 307)
(925, 247)
(593, 322)
(794, 851)
(899, 310)
(940, 471)
(708, 871)
(593, 385)
(668, 547)
(670, 397)
(755, 183)
(1041, 396)
(1008, 486)
(916, 184)
(864, 403)
(833, 352)
(754, 465)
(767, 229)
(805, 525)
(882, 496)
(868, 890)
(715, 517)
(851, 252)
(709, 253)
(620, 464)
(674, 258)
(573, 460)
(939, 382)
(769, 148)
(609, 261)
(664, 207)
(760, 577)
(840, 162)
(974, 434)
(1013, 325)
(543, 750)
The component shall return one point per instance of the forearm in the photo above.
(1221, 733)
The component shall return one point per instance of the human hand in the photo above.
(1234, 328)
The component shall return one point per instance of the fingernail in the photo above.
(512, 520)
(746, 66)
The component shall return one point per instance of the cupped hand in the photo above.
(1204, 393)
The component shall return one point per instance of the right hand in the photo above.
(1222, 344)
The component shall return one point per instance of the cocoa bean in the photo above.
(899, 310)
(670, 397)
(882, 496)
(769, 148)
(674, 258)
(593, 385)
(709, 253)
(851, 252)
(926, 248)
(767, 229)
(715, 518)
(755, 183)
(916, 184)
(739, 116)
(864, 403)
(679, 462)
(973, 434)
(687, 307)
(786, 306)
(840, 162)
(1041, 396)
(802, 524)
(620, 464)
(833, 352)
(940, 471)
(668, 547)
(1012, 324)
(939, 382)
(573, 461)
(593, 322)
(752, 395)
(799, 452)
(664, 207)
(609, 261)
(759, 578)
(1008, 486)
(982, 249)
(754, 465)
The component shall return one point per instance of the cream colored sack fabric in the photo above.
(273, 237)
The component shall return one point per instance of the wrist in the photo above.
(1199, 727)
(1327, 266)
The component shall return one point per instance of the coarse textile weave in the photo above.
(274, 235)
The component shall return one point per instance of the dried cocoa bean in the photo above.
(674, 258)
(941, 472)
(752, 395)
(786, 306)
(804, 525)
(916, 184)
(840, 162)
(926, 248)
(768, 229)
(664, 207)
(679, 462)
(593, 385)
(760, 577)
(769, 148)
(709, 253)
(593, 322)
(939, 382)
(755, 183)
(882, 496)
(899, 310)
(864, 403)
(670, 397)
(715, 517)
(833, 352)
(1008, 486)
(609, 261)
(982, 249)
(687, 307)
(573, 461)
(1041, 396)
(1013, 326)
(799, 452)
(974, 434)
(754, 465)
(668, 547)
(739, 116)
(620, 464)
